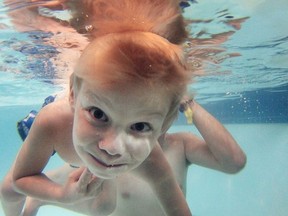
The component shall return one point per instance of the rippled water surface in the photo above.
(241, 45)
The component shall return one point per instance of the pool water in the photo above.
(260, 189)
(245, 87)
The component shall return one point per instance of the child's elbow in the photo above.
(237, 164)
(16, 185)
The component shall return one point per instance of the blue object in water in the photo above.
(25, 124)
(185, 4)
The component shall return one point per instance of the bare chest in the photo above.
(135, 197)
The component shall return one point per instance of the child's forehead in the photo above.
(130, 95)
(129, 90)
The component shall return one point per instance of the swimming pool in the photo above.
(246, 88)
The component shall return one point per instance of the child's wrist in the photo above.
(186, 104)
(186, 108)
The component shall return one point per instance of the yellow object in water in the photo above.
(189, 115)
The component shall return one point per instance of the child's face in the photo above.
(115, 131)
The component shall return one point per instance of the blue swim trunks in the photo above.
(185, 4)
(24, 125)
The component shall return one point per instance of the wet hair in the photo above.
(139, 41)
(101, 17)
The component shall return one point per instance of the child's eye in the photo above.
(141, 127)
(98, 114)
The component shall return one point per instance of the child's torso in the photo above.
(134, 195)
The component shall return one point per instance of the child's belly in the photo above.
(135, 198)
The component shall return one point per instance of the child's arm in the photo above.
(218, 150)
(103, 203)
(32, 158)
(156, 171)
(35, 153)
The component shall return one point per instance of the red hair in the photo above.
(138, 42)
(135, 58)
(162, 17)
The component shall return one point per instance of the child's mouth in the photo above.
(102, 163)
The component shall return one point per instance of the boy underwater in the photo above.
(125, 93)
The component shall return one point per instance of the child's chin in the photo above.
(111, 172)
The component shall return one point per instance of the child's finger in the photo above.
(84, 180)
(76, 174)
(95, 186)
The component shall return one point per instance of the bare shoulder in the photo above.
(181, 138)
(186, 143)
(55, 116)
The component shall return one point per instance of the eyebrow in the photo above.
(156, 113)
(109, 104)
(97, 98)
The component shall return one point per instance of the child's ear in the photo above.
(170, 118)
(71, 92)
(72, 98)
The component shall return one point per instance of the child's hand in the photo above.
(81, 185)
(53, 5)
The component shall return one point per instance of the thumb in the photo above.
(95, 186)
(76, 174)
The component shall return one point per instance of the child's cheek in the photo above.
(139, 148)
(83, 133)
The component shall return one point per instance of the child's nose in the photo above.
(113, 145)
